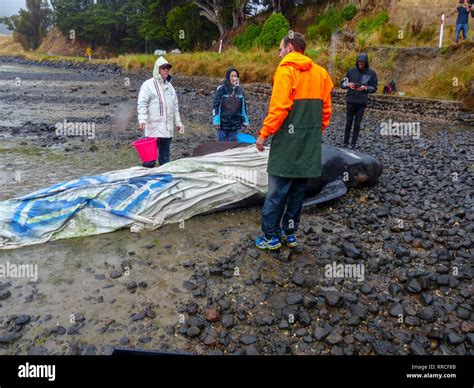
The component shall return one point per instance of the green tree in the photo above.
(32, 24)
(189, 29)
(95, 23)
(153, 27)
(273, 31)
(118, 25)
(133, 13)
(225, 14)
(246, 39)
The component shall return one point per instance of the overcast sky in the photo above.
(9, 8)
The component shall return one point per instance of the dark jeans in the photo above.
(354, 114)
(283, 192)
(224, 135)
(163, 152)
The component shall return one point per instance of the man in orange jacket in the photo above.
(300, 110)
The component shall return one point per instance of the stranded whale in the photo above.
(341, 169)
(220, 176)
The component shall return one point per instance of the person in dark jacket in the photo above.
(462, 22)
(230, 113)
(360, 82)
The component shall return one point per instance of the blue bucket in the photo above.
(246, 138)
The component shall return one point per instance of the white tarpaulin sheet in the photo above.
(137, 198)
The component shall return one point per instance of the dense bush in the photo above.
(246, 39)
(330, 21)
(371, 23)
(349, 12)
(188, 29)
(274, 30)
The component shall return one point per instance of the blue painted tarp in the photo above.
(137, 198)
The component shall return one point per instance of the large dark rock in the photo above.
(350, 250)
(333, 298)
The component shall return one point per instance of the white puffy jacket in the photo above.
(158, 106)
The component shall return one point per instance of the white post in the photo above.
(220, 47)
(441, 31)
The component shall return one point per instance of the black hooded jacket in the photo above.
(230, 110)
(366, 77)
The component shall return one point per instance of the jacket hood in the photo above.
(363, 57)
(156, 69)
(227, 76)
(297, 60)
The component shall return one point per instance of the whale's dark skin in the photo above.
(341, 169)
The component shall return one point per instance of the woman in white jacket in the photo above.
(158, 110)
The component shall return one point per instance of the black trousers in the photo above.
(354, 114)
(163, 144)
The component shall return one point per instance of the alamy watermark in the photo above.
(230, 175)
(405, 129)
(10, 270)
(37, 371)
(347, 271)
(70, 128)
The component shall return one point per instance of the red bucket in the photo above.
(147, 149)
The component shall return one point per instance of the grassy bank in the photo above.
(254, 66)
(444, 74)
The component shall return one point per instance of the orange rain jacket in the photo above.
(300, 110)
